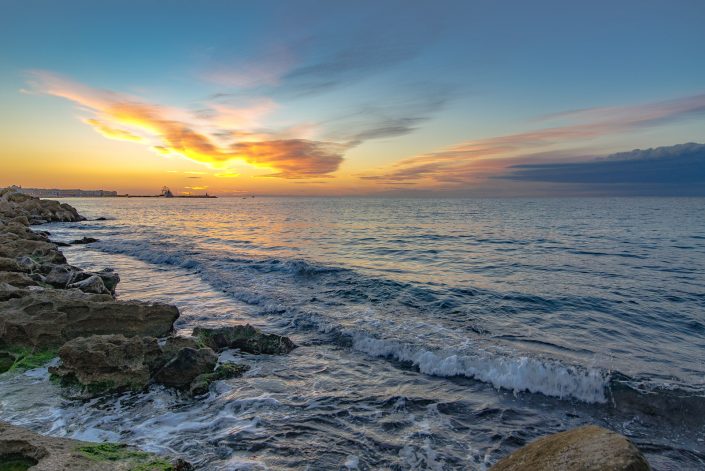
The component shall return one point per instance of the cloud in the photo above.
(169, 132)
(477, 160)
(682, 165)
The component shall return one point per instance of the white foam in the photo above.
(516, 373)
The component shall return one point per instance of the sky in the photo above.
(369, 98)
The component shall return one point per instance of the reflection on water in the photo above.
(584, 302)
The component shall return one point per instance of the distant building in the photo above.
(57, 193)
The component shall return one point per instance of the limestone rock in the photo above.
(107, 362)
(110, 278)
(17, 279)
(588, 448)
(186, 366)
(93, 284)
(48, 318)
(10, 264)
(44, 453)
(202, 382)
(244, 337)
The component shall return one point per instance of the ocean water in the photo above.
(435, 334)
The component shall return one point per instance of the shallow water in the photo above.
(435, 334)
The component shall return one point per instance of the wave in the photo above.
(513, 371)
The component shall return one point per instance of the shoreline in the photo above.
(76, 350)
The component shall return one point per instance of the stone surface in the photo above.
(93, 284)
(244, 337)
(588, 448)
(110, 278)
(49, 317)
(201, 383)
(186, 366)
(104, 363)
(54, 454)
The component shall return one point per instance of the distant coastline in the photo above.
(77, 193)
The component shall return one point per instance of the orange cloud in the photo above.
(168, 132)
(477, 160)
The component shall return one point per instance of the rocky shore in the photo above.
(105, 346)
(51, 309)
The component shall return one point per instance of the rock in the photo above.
(36, 211)
(47, 318)
(92, 284)
(7, 359)
(244, 337)
(60, 276)
(10, 264)
(172, 345)
(27, 263)
(201, 384)
(25, 449)
(41, 251)
(84, 240)
(588, 448)
(186, 366)
(20, 280)
(110, 279)
(101, 218)
(105, 363)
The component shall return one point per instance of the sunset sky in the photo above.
(354, 98)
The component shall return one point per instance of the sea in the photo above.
(434, 334)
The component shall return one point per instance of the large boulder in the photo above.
(47, 318)
(107, 362)
(23, 449)
(186, 366)
(588, 448)
(244, 337)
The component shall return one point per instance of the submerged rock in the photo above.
(588, 448)
(202, 383)
(244, 337)
(28, 450)
(83, 240)
(50, 317)
(186, 366)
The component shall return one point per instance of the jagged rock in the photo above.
(49, 317)
(37, 452)
(13, 247)
(93, 284)
(172, 345)
(104, 363)
(244, 337)
(84, 240)
(110, 278)
(60, 276)
(186, 366)
(10, 264)
(27, 263)
(18, 279)
(202, 382)
(588, 448)
(14, 204)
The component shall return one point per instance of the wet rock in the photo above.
(110, 278)
(24, 449)
(7, 359)
(244, 337)
(84, 240)
(50, 317)
(588, 448)
(93, 284)
(186, 366)
(60, 276)
(103, 363)
(201, 383)
(101, 219)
